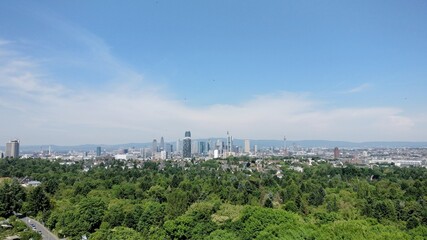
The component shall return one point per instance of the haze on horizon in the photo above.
(97, 72)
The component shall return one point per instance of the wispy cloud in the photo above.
(95, 55)
(38, 108)
(4, 42)
(357, 89)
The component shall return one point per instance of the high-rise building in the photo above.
(202, 148)
(12, 149)
(98, 151)
(336, 153)
(168, 148)
(247, 146)
(162, 144)
(216, 153)
(229, 144)
(220, 146)
(178, 147)
(186, 150)
(208, 145)
(164, 155)
(154, 148)
(194, 147)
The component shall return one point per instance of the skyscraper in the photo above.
(168, 148)
(162, 144)
(154, 148)
(247, 146)
(186, 150)
(336, 152)
(98, 151)
(194, 147)
(178, 147)
(12, 149)
(202, 148)
(229, 144)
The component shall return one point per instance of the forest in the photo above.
(203, 201)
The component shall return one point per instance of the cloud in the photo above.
(4, 42)
(360, 88)
(39, 109)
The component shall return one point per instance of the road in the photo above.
(46, 234)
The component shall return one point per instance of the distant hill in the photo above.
(239, 142)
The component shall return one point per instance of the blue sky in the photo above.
(107, 72)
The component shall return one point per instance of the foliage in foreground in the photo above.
(113, 201)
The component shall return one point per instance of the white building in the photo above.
(216, 153)
(124, 157)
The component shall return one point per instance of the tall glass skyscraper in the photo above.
(186, 149)
(154, 147)
(162, 144)
(202, 148)
(98, 151)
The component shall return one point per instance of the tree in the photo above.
(256, 219)
(177, 203)
(332, 205)
(50, 186)
(38, 201)
(291, 191)
(221, 235)
(12, 196)
(118, 233)
(268, 203)
(92, 210)
(317, 197)
(152, 216)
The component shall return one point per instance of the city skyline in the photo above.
(331, 71)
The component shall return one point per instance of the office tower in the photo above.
(336, 153)
(209, 145)
(188, 134)
(178, 147)
(247, 146)
(12, 149)
(202, 148)
(168, 148)
(164, 155)
(154, 148)
(162, 144)
(144, 154)
(255, 148)
(229, 147)
(220, 146)
(98, 151)
(194, 147)
(186, 150)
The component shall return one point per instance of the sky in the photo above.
(106, 72)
